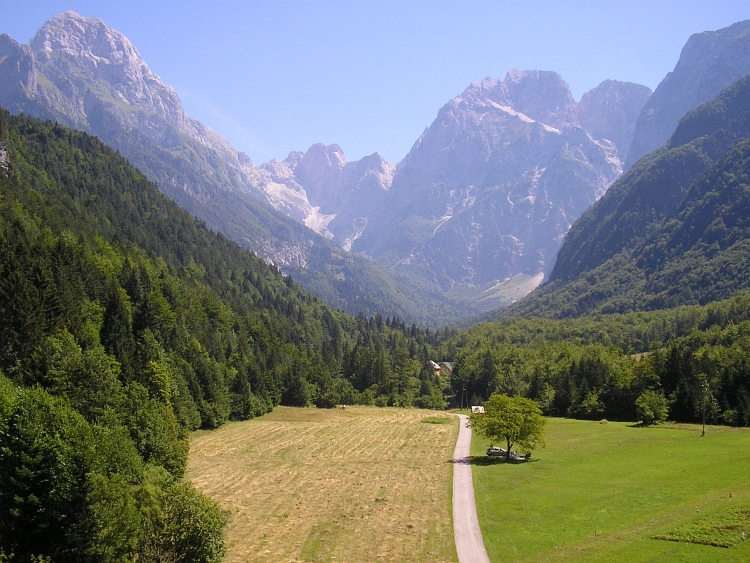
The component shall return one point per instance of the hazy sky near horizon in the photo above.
(276, 76)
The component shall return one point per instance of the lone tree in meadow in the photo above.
(516, 420)
(651, 407)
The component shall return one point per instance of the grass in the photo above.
(725, 528)
(602, 492)
(356, 485)
(438, 420)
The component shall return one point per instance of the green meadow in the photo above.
(602, 492)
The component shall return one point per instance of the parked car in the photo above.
(494, 450)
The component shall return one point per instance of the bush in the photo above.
(434, 402)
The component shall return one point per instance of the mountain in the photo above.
(339, 192)
(672, 231)
(489, 190)
(83, 74)
(709, 62)
(479, 206)
(611, 110)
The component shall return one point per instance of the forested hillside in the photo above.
(672, 231)
(126, 324)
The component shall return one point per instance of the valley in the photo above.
(370, 484)
(207, 359)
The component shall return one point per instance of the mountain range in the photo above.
(484, 197)
(470, 220)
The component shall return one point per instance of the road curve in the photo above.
(466, 532)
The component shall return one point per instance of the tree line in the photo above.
(694, 358)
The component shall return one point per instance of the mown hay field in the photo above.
(356, 485)
(603, 492)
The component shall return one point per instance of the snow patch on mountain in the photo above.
(510, 111)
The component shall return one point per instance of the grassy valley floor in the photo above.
(601, 492)
(356, 485)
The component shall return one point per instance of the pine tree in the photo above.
(116, 334)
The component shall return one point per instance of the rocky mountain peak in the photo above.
(320, 164)
(709, 62)
(294, 158)
(543, 96)
(488, 90)
(8, 45)
(91, 41)
(538, 95)
(488, 84)
(611, 110)
(110, 57)
(78, 36)
(375, 163)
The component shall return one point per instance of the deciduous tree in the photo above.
(515, 420)
(651, 407)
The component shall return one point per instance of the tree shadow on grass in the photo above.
(483, 460)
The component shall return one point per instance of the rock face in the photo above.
(709, 62)
(610, 111)
(543, 96)
(17, 70)
(492, 186)
(334, 194)
(4, 160)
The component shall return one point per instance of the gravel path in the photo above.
(468, 536)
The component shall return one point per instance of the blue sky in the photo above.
(277, 76)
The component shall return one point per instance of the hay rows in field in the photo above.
(364, 484)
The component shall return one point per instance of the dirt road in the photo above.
(468, 536)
